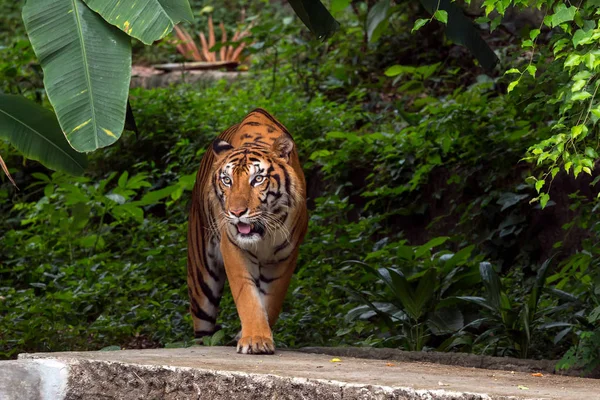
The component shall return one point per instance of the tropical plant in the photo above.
(420, 287)
(35, 132)
(510, 323)
(459, 28)
(91, 40)
(229, 51)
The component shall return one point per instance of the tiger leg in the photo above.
(243, 276)
(205, 277)
(274, 283)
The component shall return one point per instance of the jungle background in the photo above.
(434, 223)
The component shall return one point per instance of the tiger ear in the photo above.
(283, 146)
(220, 146)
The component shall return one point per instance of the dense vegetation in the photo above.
(437, 223)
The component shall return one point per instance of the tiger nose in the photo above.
(238, 212)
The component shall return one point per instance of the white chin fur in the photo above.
(244, 241)
(247, 240)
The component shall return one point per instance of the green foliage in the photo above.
(406, 146)
(460, 30)
(316, 17)
(37, 136)
(108, 250)
(512, 322)
(418, 301)
(148, 21)
(562, 69)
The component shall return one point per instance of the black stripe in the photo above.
(251, 123)
(288, 182)
(216, 277)
(202, 333)
(200, 313)
(251, 254)
(271, 118)
(281, 247)
(214, 300)
(269, 280)
(217, 195)
(204, 259)
(284, 258)
(233, 242)
(277, 210)
(283, 217)
(274, 194)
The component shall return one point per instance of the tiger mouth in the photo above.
(246, 230)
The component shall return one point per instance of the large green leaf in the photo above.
(35, 132)
(377, 17)
(146, 20)
(87, 69)
(316, 17)
(424, 248)
(492, 283)
(445, 320)
(425, 290)
(538, 286)
(461, 30)
(402, 291)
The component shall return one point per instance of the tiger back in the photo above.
(247, 220)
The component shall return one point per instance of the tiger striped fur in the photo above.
(247, 220)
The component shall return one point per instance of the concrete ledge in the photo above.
(33, 379)
(460, 359)
(220, 373)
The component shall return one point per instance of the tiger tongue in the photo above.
(243, 228)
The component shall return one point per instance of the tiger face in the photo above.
(255, 188)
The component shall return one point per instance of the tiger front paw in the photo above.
(255, 345)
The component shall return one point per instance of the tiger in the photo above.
(247, 220)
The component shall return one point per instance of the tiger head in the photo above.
(257, 189)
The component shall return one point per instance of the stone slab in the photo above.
(221, 373)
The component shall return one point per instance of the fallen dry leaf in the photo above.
(538, 374)
(390, 365)
(335, 360)
(5, 169)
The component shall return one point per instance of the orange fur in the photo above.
(247, 220)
